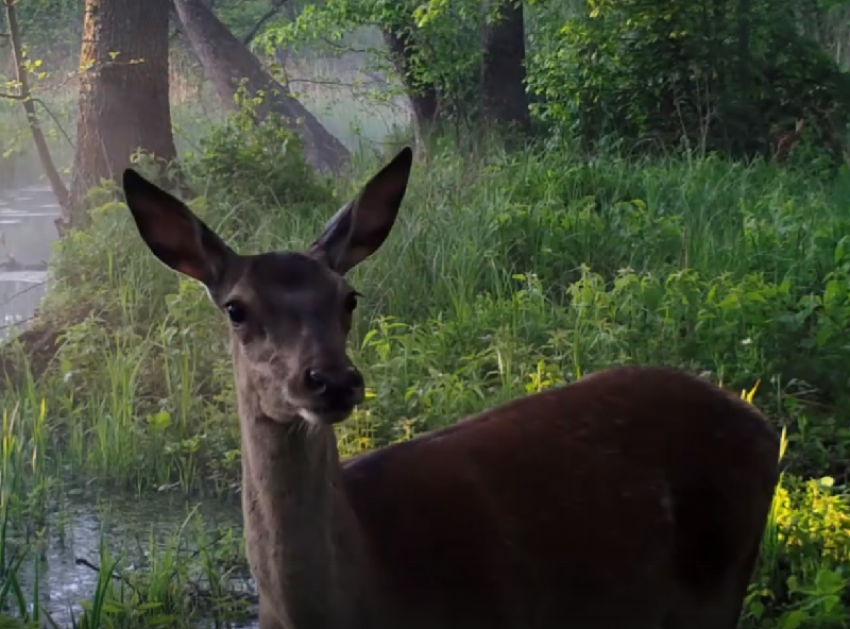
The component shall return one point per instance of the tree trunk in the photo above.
(227, 63)
(504, 102)
(424, 101)
(124, 104)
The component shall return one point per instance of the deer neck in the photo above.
(302, 539)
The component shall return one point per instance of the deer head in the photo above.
(290, 312)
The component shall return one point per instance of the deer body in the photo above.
(634, 498)
(631, 498)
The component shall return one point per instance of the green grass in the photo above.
(506, 274)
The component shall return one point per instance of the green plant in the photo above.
(505, 275)
(694, 76)
(249, 164)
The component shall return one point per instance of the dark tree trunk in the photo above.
(227, 63)
(424, 101)
(124, 105)
(504, 102)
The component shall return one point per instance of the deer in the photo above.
(635, 497)
(786, 139)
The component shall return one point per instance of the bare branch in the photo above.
(335, 83)
(28, 289)
(16, 324)
(26, 100)
(276, 7)
(38, 101)
(343, 49)
(56, 121)
(81, 561)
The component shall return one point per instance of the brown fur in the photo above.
(634, 498)
(785, 140)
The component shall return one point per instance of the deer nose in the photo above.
(335, 385)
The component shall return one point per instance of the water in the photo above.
(129, 527)
(75, 529)
(27, 234)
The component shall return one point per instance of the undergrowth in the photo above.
(506, 274)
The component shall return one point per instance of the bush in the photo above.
(243, 162)
(720, 76)
(802, 578)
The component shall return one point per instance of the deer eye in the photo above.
(351, 301)
(236, 312)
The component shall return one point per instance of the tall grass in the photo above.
(189, 576)
(506, 274)
(178, 581)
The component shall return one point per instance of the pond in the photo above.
(135, 530)
(27, 234)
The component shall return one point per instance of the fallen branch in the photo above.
(335, 83)
(197, 592)
(242, 597)
(26, 290)
(16, 324)
(79, 561)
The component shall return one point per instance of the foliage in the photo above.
(720, 75)
(54, 25)
(731, 270)
(507, 274)
(802, 577)
(738, 271)
(444, 46)
(262, 162)
(241, 17)
(711, 75)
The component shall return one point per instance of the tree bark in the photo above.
(124, 103)
(227, 63)
(424, 101)
(504, 102)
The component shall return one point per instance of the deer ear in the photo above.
(360, 227)
(177, 237)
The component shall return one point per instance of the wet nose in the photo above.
(341, 385)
